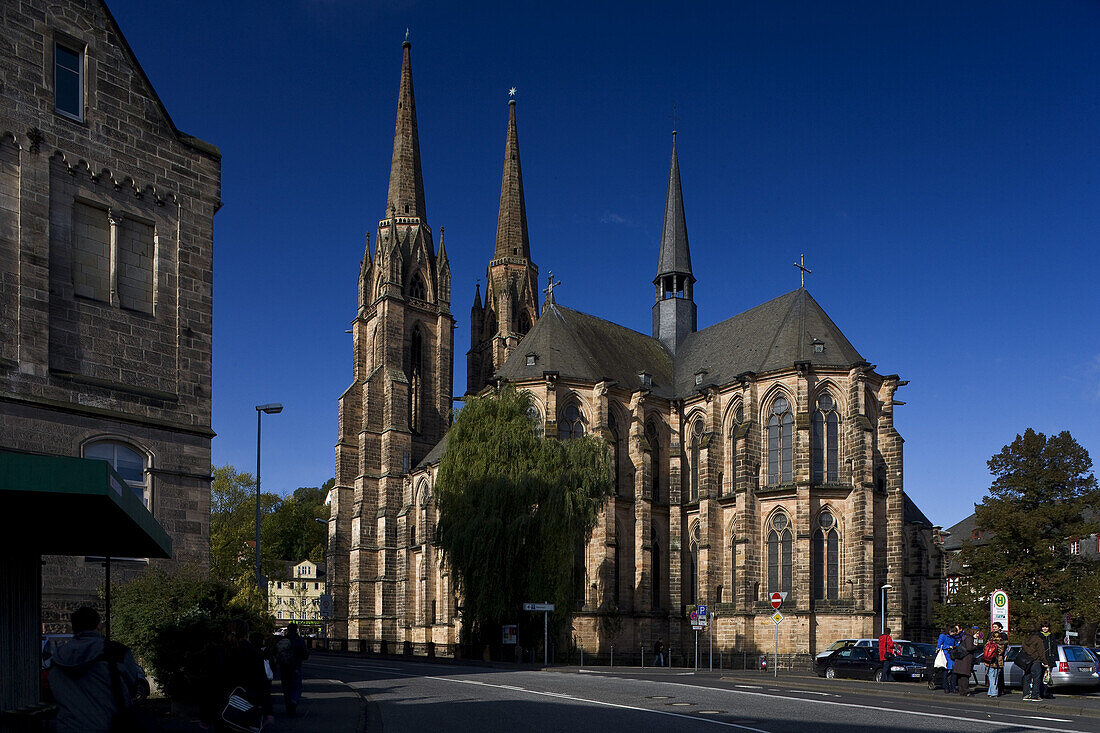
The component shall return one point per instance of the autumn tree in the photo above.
(1043, 496)
(513, 509)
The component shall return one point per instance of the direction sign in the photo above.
(777, 617)
(538, 606)
(777, 600)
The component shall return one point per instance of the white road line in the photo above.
(875, 707)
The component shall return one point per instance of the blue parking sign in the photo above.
(702, 611)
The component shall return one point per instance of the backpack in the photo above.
(958, 652)
(284, 653)
(990, 652)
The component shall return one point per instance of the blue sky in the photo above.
(936, 162)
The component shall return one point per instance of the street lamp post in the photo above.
(884, 589)
(273, 408)
(324, 523)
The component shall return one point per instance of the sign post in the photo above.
(777, 601)
(998, 609)
(546, 608)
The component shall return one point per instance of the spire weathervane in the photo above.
(801, 265)
(549, 289)
(406, 34)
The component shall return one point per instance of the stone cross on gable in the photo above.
(801, 265)
(549, 289)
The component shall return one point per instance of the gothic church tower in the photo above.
(512, 280)
(398, 405)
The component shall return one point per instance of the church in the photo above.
(753, 456)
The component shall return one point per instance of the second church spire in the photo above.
(406, 192)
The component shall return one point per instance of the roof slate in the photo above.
(674, 255)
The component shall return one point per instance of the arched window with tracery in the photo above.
(536, 418)
(616, 467)
(780, 442)
(826, 557)
(733, 448)
(524, 323)
(416, 288)
(780, 553)
(825, 440)
(654, 439)
(655, 552)
(696, 451)
(129, 463)
(416, 379)
(570, 422)
(692, 580)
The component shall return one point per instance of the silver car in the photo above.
(1077, 666)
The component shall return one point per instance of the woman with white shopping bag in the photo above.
(947, 641)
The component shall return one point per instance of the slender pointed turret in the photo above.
(406, 192)
(512, 218)
(674, 313)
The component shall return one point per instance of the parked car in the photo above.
(866, 642)
(1077, 665)
(862, 662)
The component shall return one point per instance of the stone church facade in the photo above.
(756, 455)
(106, 249)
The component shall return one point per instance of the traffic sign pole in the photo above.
(696, 650)
(775, 659)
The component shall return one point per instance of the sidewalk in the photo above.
(327, 706)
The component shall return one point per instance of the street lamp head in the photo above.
(273, 408)
(320, 521)
(887, 586)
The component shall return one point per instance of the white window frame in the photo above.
(77, 49)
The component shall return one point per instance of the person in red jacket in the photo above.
(886, 654)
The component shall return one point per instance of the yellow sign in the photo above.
(777, 617)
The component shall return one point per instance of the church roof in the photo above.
(579, 346)
(674, 255)
(770, 336)
(911, 514)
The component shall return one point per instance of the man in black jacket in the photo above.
(1050, 646)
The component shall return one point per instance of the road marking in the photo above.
(873, 707)
(816, 692)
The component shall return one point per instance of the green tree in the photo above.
(1043, 495)
(233, 527)
(292, 531)
(513, 509)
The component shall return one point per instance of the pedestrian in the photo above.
(239, 665)
(946, 643)
(964, 660)
(659, 652)
(886, 651)
(1032, 660)
(93, 680)
(1050, 646)
(290, 652)
(995, 660)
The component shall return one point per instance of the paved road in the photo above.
(419, 696)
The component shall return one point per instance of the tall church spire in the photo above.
(406, 192)
(674, 313)
(512, 218)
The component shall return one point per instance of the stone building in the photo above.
(758, 454)
(106, 245)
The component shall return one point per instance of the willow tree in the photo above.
(513, 508)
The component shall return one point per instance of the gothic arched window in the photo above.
(780, 443)
(654, 439)
(536, 418)
(613, 428)
(524, 323)
(655, 551)
(780, 549)
(416, 288)
(416, 379)
(826, 557)
(825, 440)
(129, 463)
(570, 423)
(733, 446)
(696, 450)
(692, 581)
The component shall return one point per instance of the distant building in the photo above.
(754, 455)
(106, 297)
(298, 599)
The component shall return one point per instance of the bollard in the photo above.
(612, 656)
(643, 657)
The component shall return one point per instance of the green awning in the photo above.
(75, 506)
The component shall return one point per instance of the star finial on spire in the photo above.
(801, 265)
(406, 34)
(512, 92)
